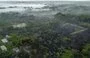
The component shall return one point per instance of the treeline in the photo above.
(83, 20)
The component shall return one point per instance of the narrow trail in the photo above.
(76, 32)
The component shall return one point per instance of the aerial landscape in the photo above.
(44, 29)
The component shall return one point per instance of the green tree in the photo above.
(86, 51)
(67, 54)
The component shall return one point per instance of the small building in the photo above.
(21, 25)
(4, 40)
(7, 36)
(17, 50)
(3, 48)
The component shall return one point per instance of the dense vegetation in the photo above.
(59, 37)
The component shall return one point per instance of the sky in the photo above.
(44, 0)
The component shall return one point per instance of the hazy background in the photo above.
(44, 0)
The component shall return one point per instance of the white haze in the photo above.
(44, 0)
